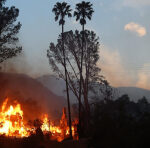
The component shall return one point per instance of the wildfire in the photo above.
(12, 123)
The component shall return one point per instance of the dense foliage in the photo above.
(120, 123)
(8, 31)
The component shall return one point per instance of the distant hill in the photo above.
(58, 85)
(52, 83)
(134, 92)
(34, 97)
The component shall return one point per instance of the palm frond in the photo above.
(83, 10)
(61, 10)
(69, 15)
(56, 17)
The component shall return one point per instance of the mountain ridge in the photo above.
(58, 85)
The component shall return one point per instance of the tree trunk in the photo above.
(80, 85)
(66, 79)
(86, 91)
(85, 87)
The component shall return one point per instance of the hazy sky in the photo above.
(122, 25)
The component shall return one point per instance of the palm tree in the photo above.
(83, 11)
(61, 10)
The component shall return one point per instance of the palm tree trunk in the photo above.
(85, 95)
(80, 85)
(66, 79)
(86, 91)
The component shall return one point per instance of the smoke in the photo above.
(144, 77)
(24, 64)
(118, 75)
(17, 64)
(113, 69)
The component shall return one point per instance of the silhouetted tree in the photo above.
(62, 10)
(83, 11)
(8, 31)
(105, 90)
(72, 44)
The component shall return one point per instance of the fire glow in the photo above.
(12, 124)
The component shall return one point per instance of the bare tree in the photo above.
(91, 72)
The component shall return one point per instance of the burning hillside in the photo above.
(12, 123)
(31, 94)
(31, 107)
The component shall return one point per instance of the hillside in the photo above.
(57, 86)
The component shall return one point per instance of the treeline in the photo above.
(120, 123)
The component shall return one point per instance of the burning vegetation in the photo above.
(12, 124)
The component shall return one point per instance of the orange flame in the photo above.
(11, 123)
